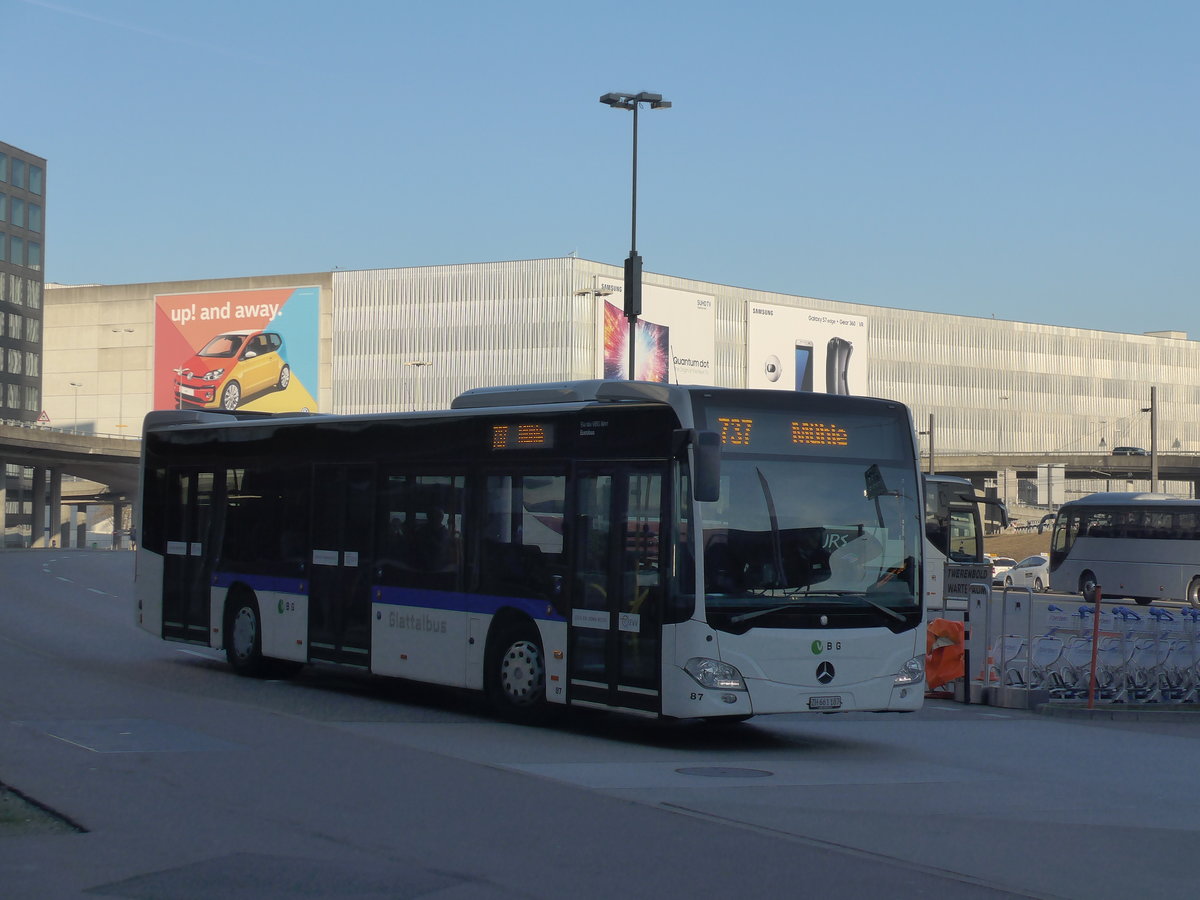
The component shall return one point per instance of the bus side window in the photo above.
(420, 543)
(521, 548)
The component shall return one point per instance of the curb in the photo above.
(1124, 712)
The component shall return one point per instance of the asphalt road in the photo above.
(187, 782)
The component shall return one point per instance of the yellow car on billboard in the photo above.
(230, 369)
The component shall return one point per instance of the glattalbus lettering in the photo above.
(416, 622)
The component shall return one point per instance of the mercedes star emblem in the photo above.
(825, 672)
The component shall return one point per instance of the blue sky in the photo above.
(1034, 161)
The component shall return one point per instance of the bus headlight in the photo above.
(714, 674)
(911, 672)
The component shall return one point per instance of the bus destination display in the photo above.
(522, 435)
(740, 432)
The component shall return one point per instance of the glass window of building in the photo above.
(33, 330)
(34, 211)
(32, 363)
(37, 180)
(31, 398)
(16, 175)
(14, 326)
(16, 290)
(33, 255)
(14, 361)
(33, 294)
(16, 211)
(3, 207)
(16, 250)
(3, 167)
(3, 248)
(14, 396)
(2, 330)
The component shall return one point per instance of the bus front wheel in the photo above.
(243, 635)
(515, 680)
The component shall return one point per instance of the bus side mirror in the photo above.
(706, 466)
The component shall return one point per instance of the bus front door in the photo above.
(339, 600)
(186, 566)
(615, 623)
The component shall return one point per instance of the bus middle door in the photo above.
(339, 602)
(615, 624)
(186, 563)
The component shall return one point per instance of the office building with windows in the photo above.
(22, 282)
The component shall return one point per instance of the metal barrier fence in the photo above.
(1022, 650)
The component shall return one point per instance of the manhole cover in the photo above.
(725, 772)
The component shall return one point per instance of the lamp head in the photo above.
(617, 101)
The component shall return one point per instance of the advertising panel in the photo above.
(790, 349)
(253, 350)
(675, 337)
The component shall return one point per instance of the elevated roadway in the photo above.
(106, 467)
(106, 459)
(1076, 466)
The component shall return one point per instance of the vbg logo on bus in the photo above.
(819, 647)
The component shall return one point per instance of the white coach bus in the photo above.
(1143, 546)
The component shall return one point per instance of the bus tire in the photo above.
(1087, 586)
(243, 635)
(515, 674)
(1193, 592)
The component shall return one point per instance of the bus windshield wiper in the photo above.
(745, 617)
(776, 546)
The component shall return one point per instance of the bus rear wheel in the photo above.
(1193, 592)
(515, 679)
(243, 635)
(1087, 587)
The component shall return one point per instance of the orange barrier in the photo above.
(943, 653)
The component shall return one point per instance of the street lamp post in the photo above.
(121, 386)
(930, 434)
(75, 419)
(633, 265)
(1153, 410)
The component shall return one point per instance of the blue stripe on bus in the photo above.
(281, 584)
(457, 601)
(423, 598)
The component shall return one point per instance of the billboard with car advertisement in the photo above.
(791, 349)
(675, 334)
(254, 350)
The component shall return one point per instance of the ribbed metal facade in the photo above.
(991, 385)
(415, 338)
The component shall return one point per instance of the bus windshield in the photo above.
(837, 533)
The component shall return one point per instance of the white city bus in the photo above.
(663, 550)
(1143, 546)
(954, 556)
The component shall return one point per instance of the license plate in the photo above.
(824, 702)
(186, 391)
